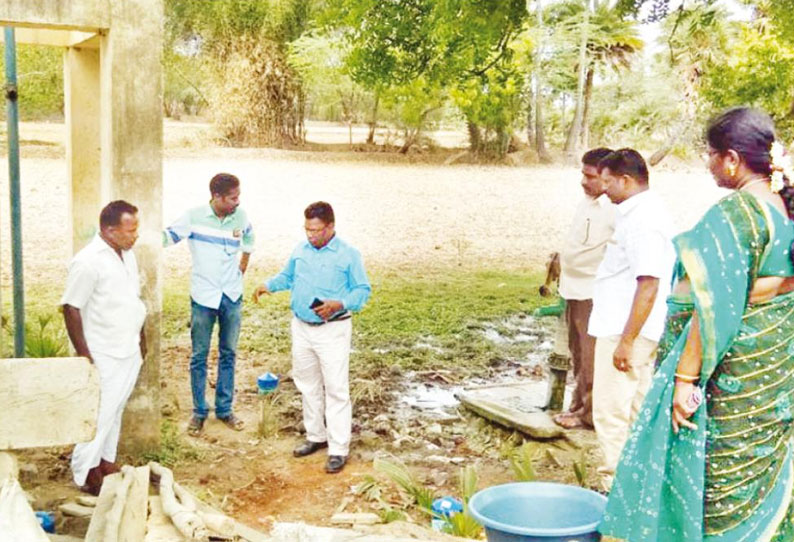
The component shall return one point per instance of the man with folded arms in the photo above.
(327, 282)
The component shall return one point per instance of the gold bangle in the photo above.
(687, 378)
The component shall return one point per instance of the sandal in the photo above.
(195, 426)
(233, 422)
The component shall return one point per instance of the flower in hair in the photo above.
(782, 172)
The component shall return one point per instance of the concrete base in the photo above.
(511, 405)
(47, 401)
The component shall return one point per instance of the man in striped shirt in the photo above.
(217, 234)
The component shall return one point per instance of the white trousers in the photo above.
(617, 397)
(320, 369)
(117, 377)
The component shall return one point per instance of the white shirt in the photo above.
(592, 227)
(641, 246)
(106, 289)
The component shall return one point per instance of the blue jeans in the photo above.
(202, 321)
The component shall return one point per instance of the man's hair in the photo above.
(111, 214)
(321, 210)
(593, 156)
(625, 162)
(223, 183)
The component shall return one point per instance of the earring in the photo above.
(731, 170)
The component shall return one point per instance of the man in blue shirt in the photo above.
(217, 233)
(327, 281)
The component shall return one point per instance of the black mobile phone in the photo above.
(316, 303)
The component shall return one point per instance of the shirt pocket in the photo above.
(585, 234)
(333, 276)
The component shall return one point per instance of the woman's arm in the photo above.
(686, 376)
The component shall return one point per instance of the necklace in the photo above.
(751, 183)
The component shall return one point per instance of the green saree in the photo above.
(731, 479)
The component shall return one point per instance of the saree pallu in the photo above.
(729, 480)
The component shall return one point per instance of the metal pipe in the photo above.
(12, 116)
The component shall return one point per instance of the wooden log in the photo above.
(186, 521)
(96, 529)
(113, 520)
(47, 402)
(159, 527)
(133, 520)
(244, 532)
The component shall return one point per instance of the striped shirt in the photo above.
(214, 245)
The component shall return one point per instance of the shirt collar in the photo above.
(625, 207)
(102, 245)
(332, 245)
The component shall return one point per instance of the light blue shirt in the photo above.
(215, 244)
(334, 272)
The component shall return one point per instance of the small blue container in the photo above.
(444, 507)
(47, 521)
(538, 512)
(266, 383)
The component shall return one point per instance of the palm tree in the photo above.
(607, 40)
(697, 38)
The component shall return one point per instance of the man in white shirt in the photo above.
(104, 316)
(629, 302)
(592, 227)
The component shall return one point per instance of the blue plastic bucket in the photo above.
(538, 512)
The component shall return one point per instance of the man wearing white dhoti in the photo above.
(104, 316)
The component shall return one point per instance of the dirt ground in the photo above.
(400, 214)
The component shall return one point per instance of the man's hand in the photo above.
(244, 262)
(328, 308)
(259, 292)
(622, 356)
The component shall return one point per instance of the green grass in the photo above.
(173, 447)
(444, 310)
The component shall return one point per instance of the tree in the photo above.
(604, 38)
(697, 40)
(431, 50)
(255, 96)
(759, 72)
(319, 59)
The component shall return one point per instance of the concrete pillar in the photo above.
(131, 134)
(81, 104)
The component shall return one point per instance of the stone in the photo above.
(76, 510)
(86, 500)
(355, 518)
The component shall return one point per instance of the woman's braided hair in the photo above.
(750, 133)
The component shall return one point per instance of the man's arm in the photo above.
(282, 281)
(177, 231)
(244, 262)
(74, 327)
(644, 297)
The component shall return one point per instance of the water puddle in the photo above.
(436, 400)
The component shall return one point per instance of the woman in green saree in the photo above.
(721, 471)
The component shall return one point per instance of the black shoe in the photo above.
(308, 448)
(335, 463)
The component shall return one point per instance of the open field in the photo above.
(400, 215)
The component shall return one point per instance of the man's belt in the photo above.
(336, 318)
